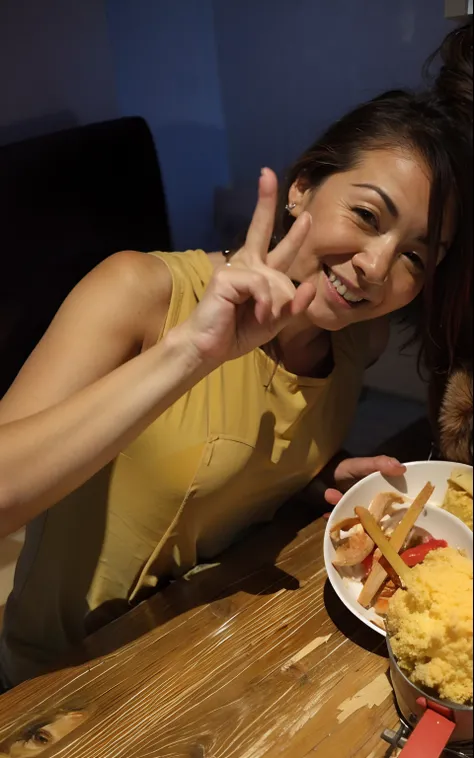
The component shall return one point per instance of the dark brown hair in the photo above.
(451, 347)
(418, 122)
(453, 82)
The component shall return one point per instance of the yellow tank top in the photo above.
(224, 456)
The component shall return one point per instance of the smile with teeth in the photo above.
(341, 288)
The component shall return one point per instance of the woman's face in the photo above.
(46, 736)
(366, 252)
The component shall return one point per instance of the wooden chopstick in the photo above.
(390, 554)
(378, 574)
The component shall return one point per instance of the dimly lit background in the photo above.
(225, 86)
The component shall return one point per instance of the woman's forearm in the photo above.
(46, 456)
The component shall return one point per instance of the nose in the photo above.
(374, 263)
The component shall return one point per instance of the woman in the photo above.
(371, 211)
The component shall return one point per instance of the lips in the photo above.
(347, 293)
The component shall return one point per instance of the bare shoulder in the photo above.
(136, 274)
(140, 285)
(150, 283)
(106, 320)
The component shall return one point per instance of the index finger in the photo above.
(261, 228)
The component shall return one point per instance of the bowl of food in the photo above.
(428, 508)
(429, 625)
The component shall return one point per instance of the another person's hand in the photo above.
(352, 470)
(248, 302)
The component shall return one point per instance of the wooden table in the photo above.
(254, 658)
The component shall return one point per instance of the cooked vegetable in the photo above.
(368, 562)
(343, 526)
(387, 550)
(381, 606)
(354, 549)
(382, 502)
(357, 546)
(378, 574)
(415, 555)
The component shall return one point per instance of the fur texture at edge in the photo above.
(455, 419)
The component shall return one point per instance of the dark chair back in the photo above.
(67, 201)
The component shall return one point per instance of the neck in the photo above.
(300, 333)
(304, 346)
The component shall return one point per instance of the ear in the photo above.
(299, 195)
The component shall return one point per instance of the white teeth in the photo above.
(342, 289)
(352, 298)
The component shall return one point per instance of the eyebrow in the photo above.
(391, 207)
(393, 210)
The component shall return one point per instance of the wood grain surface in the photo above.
(254, 658)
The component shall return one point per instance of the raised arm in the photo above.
(84, 389)
(90, 387)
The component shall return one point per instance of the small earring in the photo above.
(290, 207)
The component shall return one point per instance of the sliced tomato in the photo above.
(415, 555)
(412, 557)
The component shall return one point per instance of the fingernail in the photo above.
(263, 171)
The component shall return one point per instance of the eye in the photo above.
(415, 260)
(41, 737)
(367, 217)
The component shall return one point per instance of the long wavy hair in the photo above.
(451, 350)
(417, 122)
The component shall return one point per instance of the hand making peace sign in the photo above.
(248, 302)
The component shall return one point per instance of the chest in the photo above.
(267, 427)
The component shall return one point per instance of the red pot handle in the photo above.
(430, 736)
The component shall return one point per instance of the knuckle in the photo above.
(260, 280)
(221, 275)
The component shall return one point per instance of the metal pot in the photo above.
(439, 723)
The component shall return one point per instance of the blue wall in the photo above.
(167, 71)
(226, 85)
(55, 66)
(288, 69)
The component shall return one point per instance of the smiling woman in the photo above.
(150, 414)
(385, 188)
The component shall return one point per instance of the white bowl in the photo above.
(439, 523)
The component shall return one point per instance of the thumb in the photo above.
(389, 466)
(360, 467)
(332, 496)
(303, 298)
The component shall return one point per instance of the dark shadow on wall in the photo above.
(35, 127)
